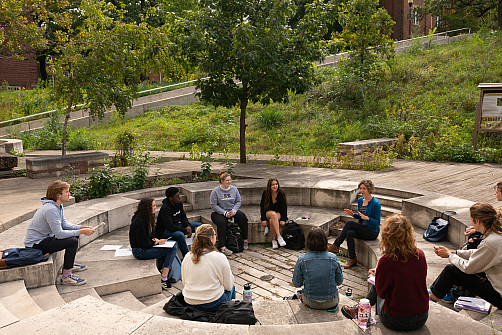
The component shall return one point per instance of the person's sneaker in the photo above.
(281, 241)
(448, 298)
(274, 244)
(246, 245)
(78, 268)
(226, 252)
(350, 312)
(165, 285)
(72, 280)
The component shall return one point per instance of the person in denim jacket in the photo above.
(319, 272)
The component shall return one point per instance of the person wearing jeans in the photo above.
(49, 232)
(142, 239)
(368, 225)
(172, 221)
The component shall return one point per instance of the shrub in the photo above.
(269, 118)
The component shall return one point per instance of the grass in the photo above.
(426, 97)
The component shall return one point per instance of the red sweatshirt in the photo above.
(403, 285)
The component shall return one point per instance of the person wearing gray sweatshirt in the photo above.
(49, 232)
(225, 201)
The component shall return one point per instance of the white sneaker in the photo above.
(274, 244)
(281, 241)
(227, 252)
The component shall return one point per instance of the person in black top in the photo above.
(142, 240)
(274, 210)
(172, 221)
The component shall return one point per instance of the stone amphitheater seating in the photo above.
(123, 295)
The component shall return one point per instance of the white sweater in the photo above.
(206, 281)
(486, 258)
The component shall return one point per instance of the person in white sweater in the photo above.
(478, 270)
(205, 272)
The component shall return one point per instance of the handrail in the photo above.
(436, 34)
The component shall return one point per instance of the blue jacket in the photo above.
(373, 211)
(319, 273)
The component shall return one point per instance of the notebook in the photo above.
(473, 304)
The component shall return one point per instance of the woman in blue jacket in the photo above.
(368, 225)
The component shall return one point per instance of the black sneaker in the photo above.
(165, 285)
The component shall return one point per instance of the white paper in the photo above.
(123, 252)
(371, 279)
(189, 240)
(99, 225)
(111, 247)
(168, 244)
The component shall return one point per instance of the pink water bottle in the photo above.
(364, 314)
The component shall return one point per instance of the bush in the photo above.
(269, 118)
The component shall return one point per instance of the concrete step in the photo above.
(46, 297)
(124, 299)
(16, 299)
(6, 317)
(390, 201)
(395, 192)
(155, 298)
(74, 295)
(158, 309)
(385, 210)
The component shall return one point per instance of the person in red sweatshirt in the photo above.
(400, 290)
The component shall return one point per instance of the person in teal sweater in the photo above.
(368, 225)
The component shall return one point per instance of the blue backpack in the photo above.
(15, 257)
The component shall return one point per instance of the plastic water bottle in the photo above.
(246, 293)
(364, 314)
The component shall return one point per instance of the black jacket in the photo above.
(138, 233)
(169, 218)
(279, 207)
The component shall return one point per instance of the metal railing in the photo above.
(435, 36)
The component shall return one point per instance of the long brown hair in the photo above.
(145, 210)
(201, 241)
(268, 193)
(488, 216)
(398, 238)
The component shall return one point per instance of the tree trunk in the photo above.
(65, 125)
(244, 103)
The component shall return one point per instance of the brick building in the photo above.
(19, 73)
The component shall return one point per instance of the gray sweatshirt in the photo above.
(49, 221)
(223, 201)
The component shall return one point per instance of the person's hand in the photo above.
(282, 223)
(371, 272)
(364, 217)
(159, 242)
(265, 223)
(442, 252)
(469, 230)
(189, 231)
(230, 214)
(349, 212)
(86, 227)
(86, 231)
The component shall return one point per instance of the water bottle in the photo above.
(247, 294)
(364, 314)
(348, 293)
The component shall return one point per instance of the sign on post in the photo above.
(488, 110)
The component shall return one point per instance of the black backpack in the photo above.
(293, 235)
(234, 240)
(235, 312)
(15, 257)
(438, 228)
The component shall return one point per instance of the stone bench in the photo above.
(10, 144)
(358, 147)
(39, 167)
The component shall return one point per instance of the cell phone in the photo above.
(99, 225)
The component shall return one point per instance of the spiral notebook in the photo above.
(473, 304)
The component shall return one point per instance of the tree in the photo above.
(366, 32)
(466, 13)
(100, 64)
(249, 52)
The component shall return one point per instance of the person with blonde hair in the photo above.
(400, 290)
(225, 201)
(50, 232)
(477, 270)
(274, 211)
(205, 272)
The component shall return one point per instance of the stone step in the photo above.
(155, 298)
(84, 292)
(46, 297)
(6, 317)
(158, 309)
(186, 206)
(16, 299)
(385, 210)
(124, 299)
(390, 201)
(395, 192)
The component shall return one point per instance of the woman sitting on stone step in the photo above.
(142, 239)
(400, 290)
(368, 225)
(274, 211)
(225, 201)
(319, 272)
(49, 231)
(207, 278)
(477, 270)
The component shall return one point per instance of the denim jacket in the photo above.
(319, 273)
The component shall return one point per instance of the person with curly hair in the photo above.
(205, 272)
(274, 211)
(142, 239)
(400, 290)
(477, 270)
(366, 228)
